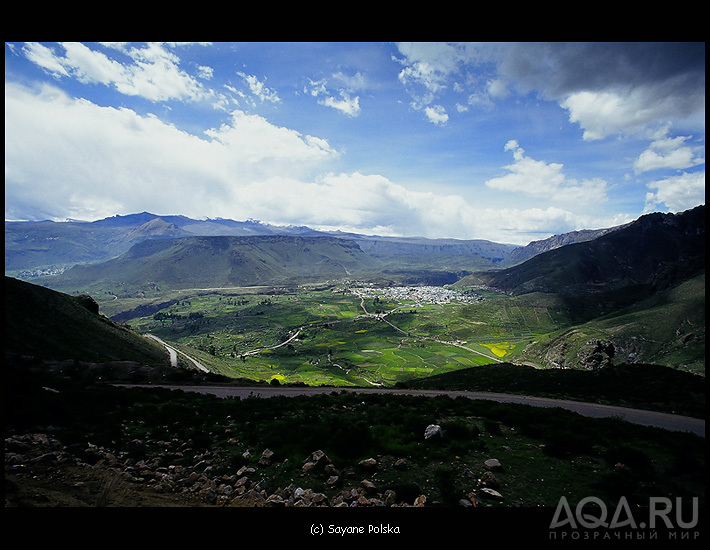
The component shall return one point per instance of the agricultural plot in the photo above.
(344, 338)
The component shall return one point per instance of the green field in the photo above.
(332, 337)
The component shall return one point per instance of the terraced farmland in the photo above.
(344, 337)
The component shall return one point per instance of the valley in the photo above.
(334, 336)
(587, 321)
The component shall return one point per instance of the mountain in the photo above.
(224, 261)
(524, 253)
(50, 325)
(465, 254)
(39, 248)
(656, 252)
(58, 245)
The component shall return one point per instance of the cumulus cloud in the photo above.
(235, 171)
(601, 114)
(671, 153)
(610, 88)
(607, 88)
(248, 167)
(157, 165)
(540, 179)
(678, 193)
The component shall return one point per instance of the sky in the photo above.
(508, 142)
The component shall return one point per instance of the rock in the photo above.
(318, 456)
(275, 500)
(319, 499)
(368, 464)
(420, 501)
(332, 481)
(493, 464)
(267, 457)
(433, 430)
(317, 461)
(245, 470)
(401, 464)
(489, 480)
(241, 482)
(491, 493)
(88, 302)
(368, 486)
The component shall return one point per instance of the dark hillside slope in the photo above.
(51, 325)
(224, 261)
(643, 386)
(524, 253)
(656, 251)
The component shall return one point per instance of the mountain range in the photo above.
(643, 283)
(652, 253)
(35, 248)
(656, 251)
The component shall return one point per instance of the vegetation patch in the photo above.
(539, 455)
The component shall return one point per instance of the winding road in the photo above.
(174, 354)
(666, 421)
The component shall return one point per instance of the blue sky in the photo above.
(509, 142)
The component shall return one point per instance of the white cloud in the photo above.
(428, 65)
(606, 113)
(73, 159)
(67, 153)
(671, 153)
(429, 71)
(347, 105)
(347, 102)
(436, 114)
(259, 89)
(542, 180)
(608, 89)
(153, 74)
(677, 193)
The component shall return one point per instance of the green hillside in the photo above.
(667, 328)
(223, 261)
(657, 251)
(51, 325)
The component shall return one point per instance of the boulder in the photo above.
(493, 464)
(433, 431)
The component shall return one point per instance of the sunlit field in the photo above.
(337, 337)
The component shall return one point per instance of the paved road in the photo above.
(174, 354)
(646, 418)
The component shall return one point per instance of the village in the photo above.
(420, 295)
